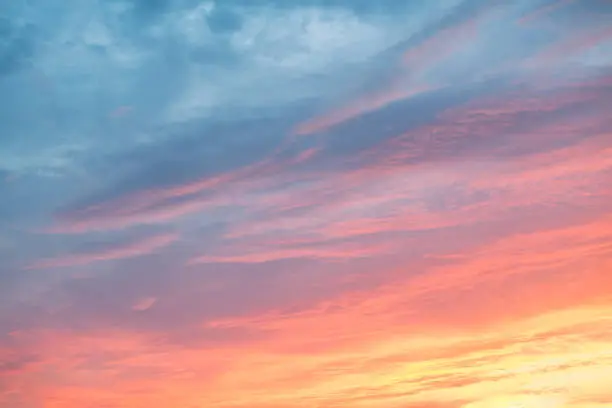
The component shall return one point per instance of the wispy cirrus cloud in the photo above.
(144, 246)
(275, 251)
(543, 11)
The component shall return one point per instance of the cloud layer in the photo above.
(272, 204)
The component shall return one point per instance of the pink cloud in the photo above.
(263, 252)
(365, 104)
(165, 204)
(570, 47)
(409, 183)
(444, 43)
(110, 219)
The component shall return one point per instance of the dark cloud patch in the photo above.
(208, 150)
(224, 20)
(150, 11)
(187, 153)
(214, 56)
(17, 46)
(5, 178)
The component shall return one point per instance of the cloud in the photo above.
(370, 204)
(144, 304)
(132, 249)
(479, 348)
(510, 115)
(121, 51)
(275, 251)
(437, 173)
(544, 11)
(576, 48)
(357, 108)
(408, 78)
(485, 283)
(434, 59)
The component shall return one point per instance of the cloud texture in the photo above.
(273, 204)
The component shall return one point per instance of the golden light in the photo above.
(521, 401)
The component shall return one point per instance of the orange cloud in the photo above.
(510, 332)
(524, 320)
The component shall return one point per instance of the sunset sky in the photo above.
(305, 204)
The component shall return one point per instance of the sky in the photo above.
(291, 204)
